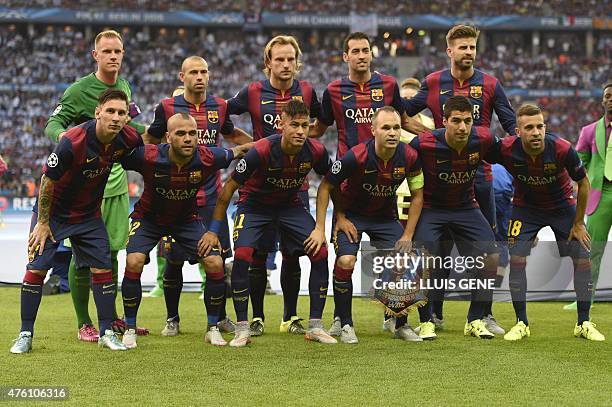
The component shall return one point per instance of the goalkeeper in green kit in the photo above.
(76, 106)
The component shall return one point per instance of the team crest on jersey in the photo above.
(213, 116)
(550, 168)
(304, 168)
(476, 92)
(298, 98)
(399, 173)
(473, 158)
(377, 95)
(195, 176)
(117, 154)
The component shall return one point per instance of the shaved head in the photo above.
(178, 120)
(189, 60)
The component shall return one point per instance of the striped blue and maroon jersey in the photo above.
(264, 103)
(170, 192)
(212, 119)
(272, 178)
(371, 183)
(546, 182)
(449, 175)
(485, 92)
(351, 106)
(80, 166)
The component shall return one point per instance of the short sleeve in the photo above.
(60, 160)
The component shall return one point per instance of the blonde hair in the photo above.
(281, 40)
(108, 34)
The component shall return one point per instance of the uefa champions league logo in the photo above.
(336, 167)
(53, 160)
(241, 166)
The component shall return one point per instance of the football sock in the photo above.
(243, 256)
(104, 293)
(173, 285)
(131, 291)
(317, 284)
(583, 286)
(290, 283)
(115, 264)
(79, 282)
(343, 294)
(518, 289)
(258, 280)
(400, 321)
(214, 292)
(31, 295)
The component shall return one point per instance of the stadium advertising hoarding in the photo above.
(288, 20)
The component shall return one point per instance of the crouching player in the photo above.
(68, 206)
(373, 170)
(173, 174)
(543, 166)
(271, 174)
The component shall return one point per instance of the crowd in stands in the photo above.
(461, 8)
(33, 69)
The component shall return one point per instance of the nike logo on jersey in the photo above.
(91, 159)
(441, 161)
(105, 286)
(347, 97)
(274, 169)
(266, 102)
(370, 171)
(444, 92)
(158, 175)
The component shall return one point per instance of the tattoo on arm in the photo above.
(45, 199)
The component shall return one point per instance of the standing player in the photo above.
(486, 94)
(75, 107)
(373, 171)
(450, 158)
(543, 166)
(68, 206)
(173, 175)
(272, 173)
(351, 103)
(212, 118)
(264, 101)
(595, 150)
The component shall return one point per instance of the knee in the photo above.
(214, 267)
(346, 262)
(135, 262)
(582, 265)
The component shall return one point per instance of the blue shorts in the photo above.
(89, 241)
(383, 233)
(293, 223)
(175, 253)
(145, 234)
(468, 227)
(485, 195)
(525, 223)
(270, 240)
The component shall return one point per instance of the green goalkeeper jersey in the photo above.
(77, 106)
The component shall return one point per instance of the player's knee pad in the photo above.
(244, 254)
(320, 256)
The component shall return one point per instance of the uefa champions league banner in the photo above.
(300, 20)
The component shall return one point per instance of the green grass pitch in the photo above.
(550, 367)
